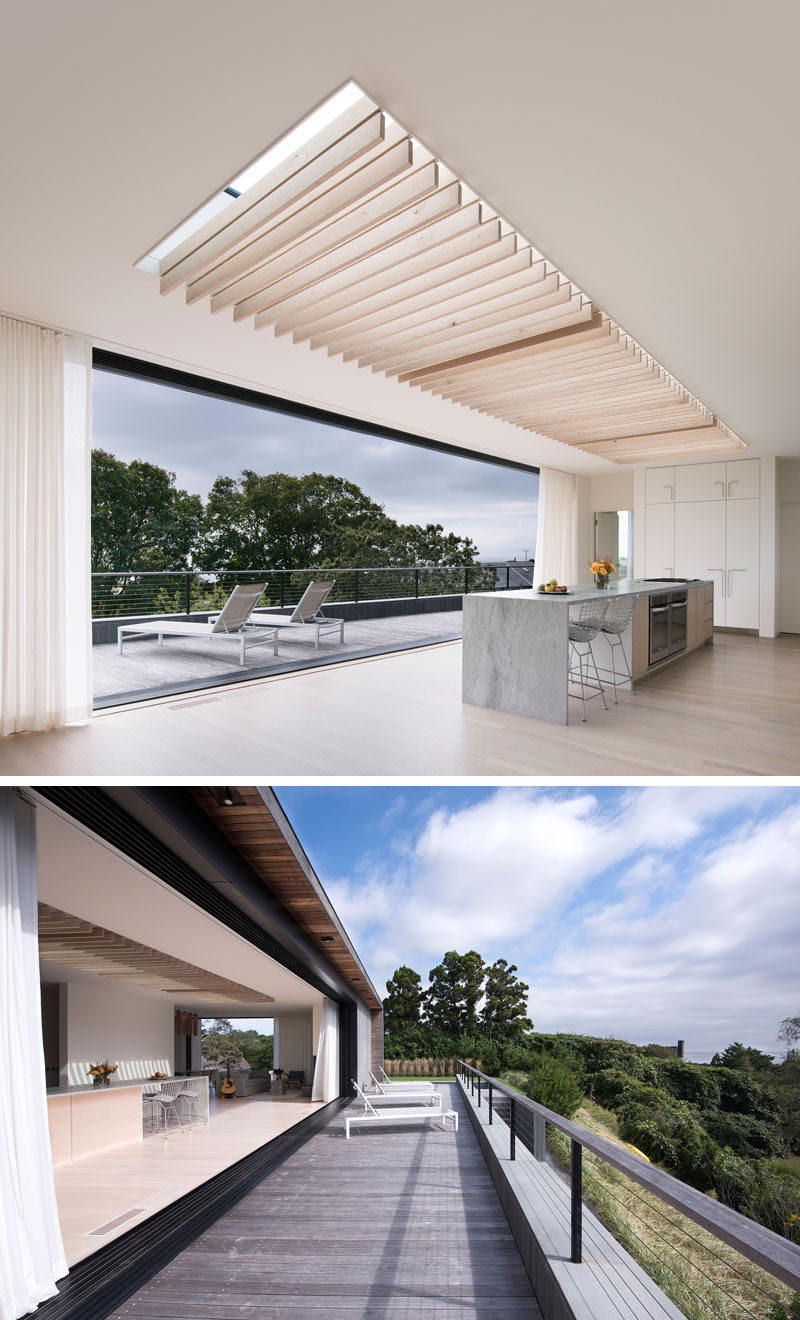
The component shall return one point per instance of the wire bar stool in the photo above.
(582, 631)
(619, 613)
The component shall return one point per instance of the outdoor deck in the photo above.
(183, 664)
(395, 1222)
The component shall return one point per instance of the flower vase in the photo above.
(101, 1079)
(600, 580)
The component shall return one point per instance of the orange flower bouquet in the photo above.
(602, 569)
(100, 1073)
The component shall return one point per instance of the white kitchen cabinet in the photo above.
(743, 479)
(700, 481)
(659, 485)
(700, 547)
(742, 564)
(660, 541)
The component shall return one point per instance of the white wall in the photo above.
(126, 1024)
(614, 491)
(788, 541)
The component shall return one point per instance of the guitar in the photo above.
(228, 1087)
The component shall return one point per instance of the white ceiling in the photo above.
(661, 174)
(89, 879)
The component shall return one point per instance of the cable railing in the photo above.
(645, 1215)
(121, 593)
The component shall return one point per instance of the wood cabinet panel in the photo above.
(640, 644)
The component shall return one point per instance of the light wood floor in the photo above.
(732, 708)
(145, 1176)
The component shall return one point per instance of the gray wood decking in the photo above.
(145, 667)
(393, 1223)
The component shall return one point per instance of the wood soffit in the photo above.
(250, 826)
(364, 245)
(73, 942)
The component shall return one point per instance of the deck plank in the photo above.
(393, 1223)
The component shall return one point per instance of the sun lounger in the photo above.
(231, 622)
(306, 614)
(380, 1098)
(401, 1087)
(394, 1114)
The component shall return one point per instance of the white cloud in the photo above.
(649, 915)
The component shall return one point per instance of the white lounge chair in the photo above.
(406, 1083)
(401, 1087)
(306, 614)
(370, 1115)
(432, 1098)
(232, 621)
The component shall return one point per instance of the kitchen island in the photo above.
(515, 653)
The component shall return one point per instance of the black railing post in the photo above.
(466, 581)
(490, 1104)
(576, 1196)
(512, 1130)
(283, 588)
(188, 585)
(471, 1082)
(355, 586)
(479, 1090)
(416, 584)
(508, 576)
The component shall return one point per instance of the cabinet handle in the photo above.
(722, 492)
(721, 572)
(671, 496)
(733, 482)
(671, 571)
(730, 582)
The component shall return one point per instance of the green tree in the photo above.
(280, 521)
(744, 1057)
(789, 1034)
(456, 985)
(504, 1012)
(402, 1007)
(283, 521)
(550, 1083)
(140, 520)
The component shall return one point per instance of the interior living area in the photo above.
(159, 916)
(363, 242)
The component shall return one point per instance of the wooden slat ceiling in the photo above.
(251, 828)
(365, 245)
(72, 942)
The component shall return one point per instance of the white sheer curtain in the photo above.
(326, 1072)
(31, 1250)
(45, 447)
(556, 537)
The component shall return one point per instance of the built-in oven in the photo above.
(667, 625)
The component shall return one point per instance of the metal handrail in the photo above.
(773, 1253)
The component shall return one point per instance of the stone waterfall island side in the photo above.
(515, 654)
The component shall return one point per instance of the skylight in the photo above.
(328, 111)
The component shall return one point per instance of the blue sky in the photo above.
(650, 914)
(198, 438)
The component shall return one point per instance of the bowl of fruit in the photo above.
(553, 588)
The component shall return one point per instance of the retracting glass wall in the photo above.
(150, 1009)
(334, 540)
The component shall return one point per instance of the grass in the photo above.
(703, 1277)
(420, 1077)
(789, 1164)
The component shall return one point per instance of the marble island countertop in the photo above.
(90, 1087)
(577, 594)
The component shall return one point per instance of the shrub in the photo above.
(743, 1134)
(550, 1083)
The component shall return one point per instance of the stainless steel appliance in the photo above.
(667, 625)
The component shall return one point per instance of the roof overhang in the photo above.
(254, 822)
